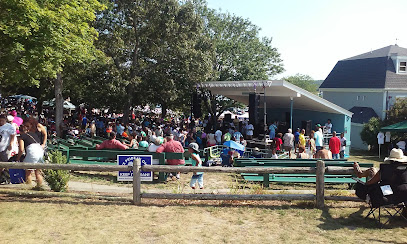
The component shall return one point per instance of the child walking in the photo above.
(193, 148)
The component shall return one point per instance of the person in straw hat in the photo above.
(396, 156)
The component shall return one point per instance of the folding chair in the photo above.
(393, 205)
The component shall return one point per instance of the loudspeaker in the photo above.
(196, 105)
(254, 101)
(307, 125)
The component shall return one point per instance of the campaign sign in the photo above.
(128, 160)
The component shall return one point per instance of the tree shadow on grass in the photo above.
(92, 176)
(109, 200)
(71, 201)
(353, 221)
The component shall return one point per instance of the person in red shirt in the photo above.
(172, 146)
(335, 145)
(278, 141)
(112, 143)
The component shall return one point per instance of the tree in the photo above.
(397, 113)
(370, 131)
(152, 47)
(303, 81)
(239, 54)
(181, 59)
(38, 38)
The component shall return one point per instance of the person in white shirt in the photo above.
(249, 131)
(343, 145)
(218, 136)
(288, 142)
(319, 138)
(328, 127)
(7, 138)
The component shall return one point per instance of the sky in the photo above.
(313, 35)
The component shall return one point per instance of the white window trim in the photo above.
(400, 66)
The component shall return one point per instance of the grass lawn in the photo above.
(71, 220)
(55, 220)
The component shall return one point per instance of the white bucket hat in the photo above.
(396, 155)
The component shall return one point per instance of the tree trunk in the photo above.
(59, 104)
(163, 110)
(128, 104)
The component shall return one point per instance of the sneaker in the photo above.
(193, 187)
(178, 176)
(201, 188)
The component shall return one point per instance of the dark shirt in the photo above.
(30, 138)
(297, 136)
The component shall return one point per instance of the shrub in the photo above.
(370, 131)
(57, 179)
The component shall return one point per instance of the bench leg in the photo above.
(266, 180)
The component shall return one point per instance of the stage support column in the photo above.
(291, 112)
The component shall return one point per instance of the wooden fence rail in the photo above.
(320, 172)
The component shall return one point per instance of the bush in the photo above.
(370, 131)
(57, 179)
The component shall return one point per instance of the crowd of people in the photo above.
(316, 145)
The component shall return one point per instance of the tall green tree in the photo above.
(156, 48)
(38, 38)
(303, 81)
(397, 113)
(239, 54)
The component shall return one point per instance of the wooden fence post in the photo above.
(266, 180)
(320, 187)
(136, 181)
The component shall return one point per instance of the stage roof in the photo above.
(278, 95)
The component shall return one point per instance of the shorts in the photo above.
(34, 153)
(4, 156)
(288, 148)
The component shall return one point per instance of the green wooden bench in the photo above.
(109, 157)
(296, 178)
(241, 162)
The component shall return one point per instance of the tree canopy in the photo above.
(128, 52)
(303, 81)
(156, 49)
(397, 113)
(239, 53)
(38, 38)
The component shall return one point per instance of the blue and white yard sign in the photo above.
(128, 160)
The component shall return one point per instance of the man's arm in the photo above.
(121, 146)
(101, 146)
(160, 149)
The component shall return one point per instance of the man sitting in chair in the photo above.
(395, 175)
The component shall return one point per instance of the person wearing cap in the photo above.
(296, 139)
(319, 138)
(193, 148)
(256, 153)
(172, 146)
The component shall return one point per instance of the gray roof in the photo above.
(362, 115)
(374, 69)
(382, 52)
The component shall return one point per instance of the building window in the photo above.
(357, 98)
(403, 67)
(363, 98)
